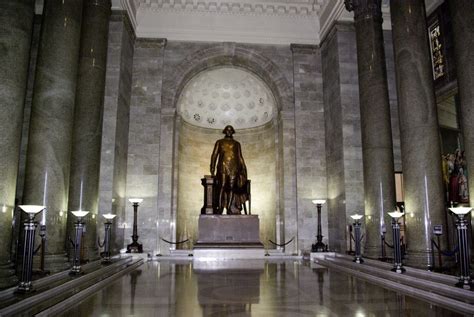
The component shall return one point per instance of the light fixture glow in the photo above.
(135, 200)
(396, 214)
(460, 210)
(32, 209)
(80, 213)
(356, 217)
(109, 216)
(318, 201)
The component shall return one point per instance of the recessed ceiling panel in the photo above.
(222, 96)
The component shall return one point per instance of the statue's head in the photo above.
(228, 130)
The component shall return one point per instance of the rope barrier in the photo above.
(178, 242)
(281, 245)
(445, 253)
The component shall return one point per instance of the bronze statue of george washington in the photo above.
(231, 176)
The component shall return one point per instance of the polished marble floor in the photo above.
(247, 288)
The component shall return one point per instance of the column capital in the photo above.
(365, 9)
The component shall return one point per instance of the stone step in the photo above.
(419, 273)
(54, 289)
(448, 296)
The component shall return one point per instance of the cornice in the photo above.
(258, 7)
(277, 22)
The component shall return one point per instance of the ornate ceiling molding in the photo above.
(248, 21)
(259, 7)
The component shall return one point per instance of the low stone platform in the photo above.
(228, 237)
(216, 254)
(228, 231)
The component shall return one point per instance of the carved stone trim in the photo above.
(304, 48)
(365, 9)
(259, 7)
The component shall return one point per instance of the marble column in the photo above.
(462, 13)
(420, 144)
(52, 112)
(377, 147)
(87, 132)
(16, 26)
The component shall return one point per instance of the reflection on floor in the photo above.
(248, 288)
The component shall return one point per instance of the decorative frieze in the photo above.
(262, 7)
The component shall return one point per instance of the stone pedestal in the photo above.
(223, 237)
(210, 204)
(224, 231)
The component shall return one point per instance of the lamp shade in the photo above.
(460, 210)
(318, 201)
(32, 209)
(135, 200)
(109, 216)
(356, 217)
(396, 214)
(80, 213)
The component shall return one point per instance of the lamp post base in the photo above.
(398, 269)
(465, 284)
(358, 260)
(134, 247)
(76, 270)
(24, 287)
(318, 247)
(106, 260)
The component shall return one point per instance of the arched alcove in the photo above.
(210, 100)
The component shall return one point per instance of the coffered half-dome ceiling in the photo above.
(222, 96)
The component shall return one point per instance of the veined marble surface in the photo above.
(285, 288)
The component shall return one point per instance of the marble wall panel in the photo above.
(114, 152)
(144, 139)
(310, 142)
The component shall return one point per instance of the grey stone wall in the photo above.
(114, 153)
(343, 138)
(310, 141)
(144, 138)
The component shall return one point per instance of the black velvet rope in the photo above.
(37, 249)
(281, 245)
(445, 253)
(178, 242)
